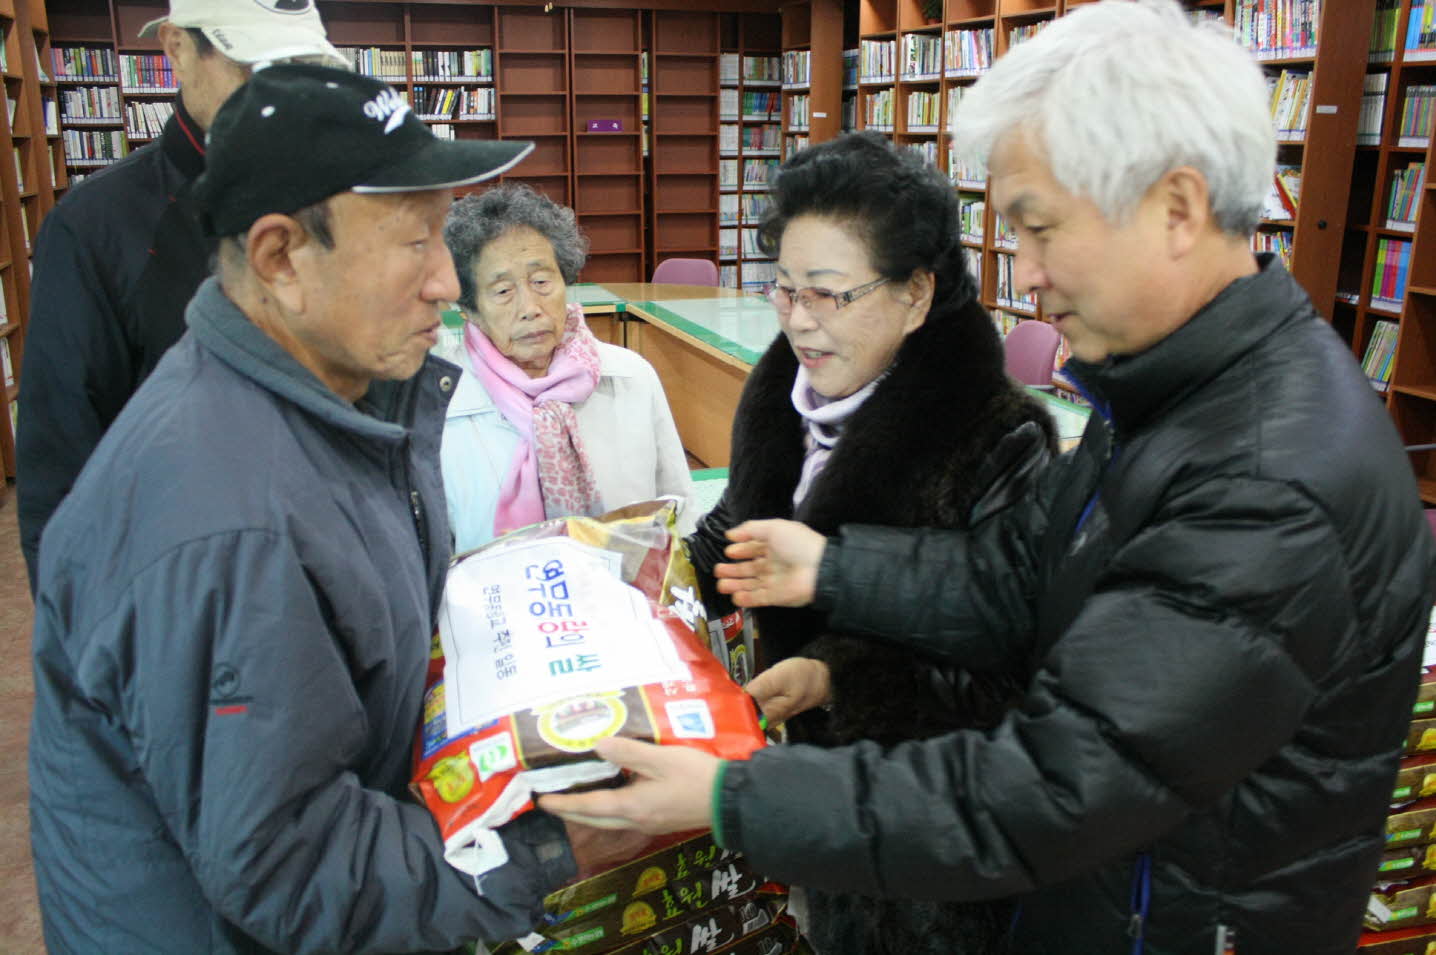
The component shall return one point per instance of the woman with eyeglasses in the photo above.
(883, 401)
(547, 421)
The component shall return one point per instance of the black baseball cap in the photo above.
(294, 135)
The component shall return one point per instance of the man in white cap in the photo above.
(120, 256)
(236, 600)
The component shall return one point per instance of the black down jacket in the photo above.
(944, 433)
(1222, 596)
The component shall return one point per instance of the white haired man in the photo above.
(236, 599)
(118, 259)
(1217, 603)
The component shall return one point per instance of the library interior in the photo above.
(662, 126)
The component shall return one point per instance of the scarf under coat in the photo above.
(550, 475)
(823, 420)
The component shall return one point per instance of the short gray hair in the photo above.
(1116, 95)
(475, 221)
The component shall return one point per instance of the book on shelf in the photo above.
(4, 54)
(1373, 104)
(728, 103)
(970, 210)
(797, 67)
(972, 258)
(1021, 34)
(146, 120)
(762, 69)
(751, 248)
(923, 111)
(439, 65)
(83, 63)
(1278, 30)
(850, 68)
(728, 68)
(1403, 196)
(19, 170)
(762, 105)
(754, 205)
(1421, 32)
(727, 174)
(728, 209)
(146, 72)
(758, 173)
(51, 109)
(5, 365)
(961, 173)
(728, 138)
(727, 243)
(968, 52)
(1274, 240)
(1285, 193)
(1290, 103)
(796, 144)
(728, 276)
(877, 61)
(1008, 293)
(1380, 348)
(927, 150)
(1384, 29)
(756, 276)
(798, 106)
(878, 110)
(1416, 115)
(921, 56)
(1388, 282)
(376, 62)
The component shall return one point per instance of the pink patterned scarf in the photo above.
(550, 475)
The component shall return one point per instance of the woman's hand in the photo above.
(793, 686)
(775, 564)
(672, 790)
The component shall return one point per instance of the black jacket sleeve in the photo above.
(1190, 664)
(79, 371)
(705, 549)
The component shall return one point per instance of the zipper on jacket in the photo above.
(1141, 900)
(416, 510)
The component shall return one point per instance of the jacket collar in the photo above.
(219, 326)
(1136, 388)
(183, 141)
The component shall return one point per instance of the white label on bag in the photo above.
(541, 621)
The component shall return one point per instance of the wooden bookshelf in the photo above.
(607, 64)
(1411, 396)
(1381, 155)
(818, 28)
(1323, 156)
(27, 187)
(750, 142)
(683, 163)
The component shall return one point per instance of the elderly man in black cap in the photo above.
(236, 600)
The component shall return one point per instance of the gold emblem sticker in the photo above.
(638, 917)
(575, 724)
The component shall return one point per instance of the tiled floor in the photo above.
(19, 912)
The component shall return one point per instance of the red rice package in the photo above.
(554, 637)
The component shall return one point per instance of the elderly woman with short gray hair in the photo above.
(547, 421)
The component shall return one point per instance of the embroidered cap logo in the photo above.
(387, 105)
(286, 6)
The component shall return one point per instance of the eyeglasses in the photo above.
(817, 301)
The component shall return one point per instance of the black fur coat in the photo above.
(945, 436)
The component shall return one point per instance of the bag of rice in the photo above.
(553, 637)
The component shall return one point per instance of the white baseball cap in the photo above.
(253, 31)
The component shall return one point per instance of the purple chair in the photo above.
(686, 272)
(1031, 348)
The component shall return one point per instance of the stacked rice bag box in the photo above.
(690, 897)
(1401, 914)
(556, 636)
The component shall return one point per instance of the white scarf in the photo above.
(824, 418)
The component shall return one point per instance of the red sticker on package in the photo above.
(546, 651)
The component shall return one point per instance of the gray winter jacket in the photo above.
(231, 635)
